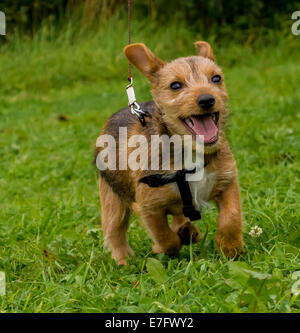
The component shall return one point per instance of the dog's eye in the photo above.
(216, 79)
(175, 85)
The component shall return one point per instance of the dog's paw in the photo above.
(121, 254)
(189, 232)
(231, 246)
(170, 247)
(173, 250)
(156, 248)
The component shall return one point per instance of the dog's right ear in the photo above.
(204, 49)
(143, 59)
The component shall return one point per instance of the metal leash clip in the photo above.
(134, 106)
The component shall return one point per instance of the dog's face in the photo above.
(189, 91)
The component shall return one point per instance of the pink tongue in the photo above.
(205, 126)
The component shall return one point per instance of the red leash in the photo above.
(132, 103)
(129, 39)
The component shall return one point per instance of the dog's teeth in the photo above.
(189, 122)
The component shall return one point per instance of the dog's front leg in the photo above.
(229, 235)
(185, 229)
(165, 240)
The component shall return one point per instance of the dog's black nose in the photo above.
(206, 101)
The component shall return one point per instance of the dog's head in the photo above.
(190, 92)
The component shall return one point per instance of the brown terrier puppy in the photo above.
(189, 97)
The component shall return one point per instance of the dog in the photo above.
(189, 98)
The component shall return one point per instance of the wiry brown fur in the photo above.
(121, 192)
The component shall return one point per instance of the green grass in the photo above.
(51, 244)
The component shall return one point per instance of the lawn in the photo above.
(56, 92)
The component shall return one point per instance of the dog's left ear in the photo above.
(204, 49)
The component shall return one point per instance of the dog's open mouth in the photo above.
(206, 125)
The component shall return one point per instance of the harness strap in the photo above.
(157, 180)
(187, 199)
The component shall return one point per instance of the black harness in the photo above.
(157, 180)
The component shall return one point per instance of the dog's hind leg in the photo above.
(115, 217)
